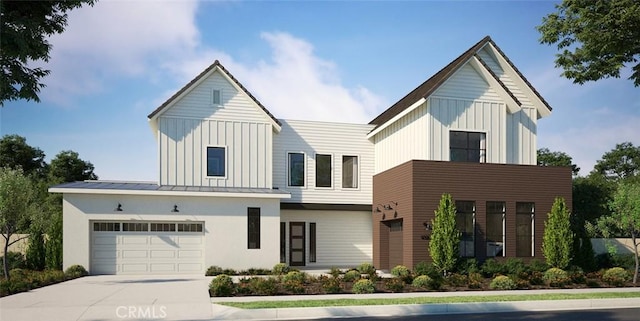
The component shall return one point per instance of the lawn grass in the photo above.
(428, 300)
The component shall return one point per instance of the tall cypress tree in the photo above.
(445, 237)
(558, 238)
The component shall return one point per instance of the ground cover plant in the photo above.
(23, 280)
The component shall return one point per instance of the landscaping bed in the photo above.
(22, 280)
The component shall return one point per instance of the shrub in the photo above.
(576, 275)
(421, 282)
(335, 272)
(47, 277)
(367, 268)
(456, 280)
(363, 286)
(536, 278)
(331, 285)
(229, 272)
(75, 271)
(556, 277)
(424, 268)
(625, 261)
(294, 286)
(514, 266)
(295, 276)
(492, 268)
(18, 273)
(474, 280)
(36, 251)
(557, 241)
(221, 285)
(243, 287)
(263, 286)
(502, 282)
(280, 269)
(394, 285)
(254, 271)
(616, 276)
(213, 271)
(445, 237)
(537, 265)
(468, 266)
(351, 275)
(16, 260)
(402, 272)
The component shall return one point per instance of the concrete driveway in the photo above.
(113, 298)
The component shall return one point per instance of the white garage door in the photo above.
(147, 248)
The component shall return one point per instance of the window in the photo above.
(296, 169)
(106, 227)
(349, 171)
(283, 242)
(312, 242)
(135, 227)
(465, 222)
(163, 227)
(525, 215)
(253, 228)
(189, 227)
(216, 96)
(216, 161)
(496, 214)
(467, 147)
(323, 170)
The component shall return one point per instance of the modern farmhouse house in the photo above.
(239, 188)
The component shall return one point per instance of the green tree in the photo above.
(625, 216)
(596, 38)
(445, 237)
(16, 153)
(53, 256)
(558, 239)
(591, 196)
(549, 158)
(68, 167)
(36, 251)
(18, 207)
(26, 27)
(621, 162)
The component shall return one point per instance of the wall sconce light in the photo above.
(118, 208)
(377, 210)
(394, 203)
(175, 209)
(427, 226)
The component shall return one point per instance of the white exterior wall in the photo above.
(225, 225)
(522, 137)
(193, 123)
(336, 139)
(343, 238)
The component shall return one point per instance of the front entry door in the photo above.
(296, 243)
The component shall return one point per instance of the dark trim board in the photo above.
(325, 207)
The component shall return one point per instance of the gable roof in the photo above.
(432, 84)
(216, 65)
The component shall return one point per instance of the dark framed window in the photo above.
(106, 227)
(495, 236)
(466, 222)
(312, 242)
(323, 170)
(349, 171)
(283, 242)
(189, 227)
(253, 228)
(525, 218)
(216, 161)
(296, 169)
(467, 147)
(162, 227)
(135, 227)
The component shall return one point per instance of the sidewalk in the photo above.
(225, 313)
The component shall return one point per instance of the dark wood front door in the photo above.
(296, 243)
(395, 243)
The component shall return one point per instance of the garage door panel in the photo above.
(163, 240)
(189, 267)
(189, 254)
(134, 254)
(105, 240)
(163, 267)
(105, 254)
(133, 267)
(189, 240)
(162, 254)
(137, 240)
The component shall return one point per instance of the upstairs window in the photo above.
(323, 170)
(467, 147)
(296, 169)
(216, 161)
(349, 172)
(216, 97)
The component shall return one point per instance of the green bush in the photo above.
(351, 276)
(280, 269)
(468, 266)
(75, 271)
(474, 280)
(331, 285)
(16, 260)
(514, 266)
(243, 287)
(36, 252)
(536, 278)
(537, 265)
(294, 286)
(264, 286)
(367, 268)
(363, 286)
(556, 277)
(295, 276)
(424, 268)
(213, 271)
(255, 271)
(229, 272)
(18, 273)
(422, 282)
(625, 261)
(502, 282)
(576, 275)
(402, 272)
(492, 268)
(616, 276)
(221, 285)
(394, 285)
(335, 272)
(456, 280)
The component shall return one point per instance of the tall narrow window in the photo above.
(525, 215)
(465, 222)
(216, 161)
(349, 171)
(312, 242)
(296, 169)
(496, 214)
(323, 170)
(216, 96)
(283, 240)
(253, 227)
(467, 147)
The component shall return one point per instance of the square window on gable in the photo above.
(216, 161)
(216, 96)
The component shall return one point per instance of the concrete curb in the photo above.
(221, 312)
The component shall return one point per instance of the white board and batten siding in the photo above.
(335, 139)
(194, 123)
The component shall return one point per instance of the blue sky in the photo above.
(343, 61)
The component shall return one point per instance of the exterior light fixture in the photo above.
(175, 209)
(377, 210)
(118, 208)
